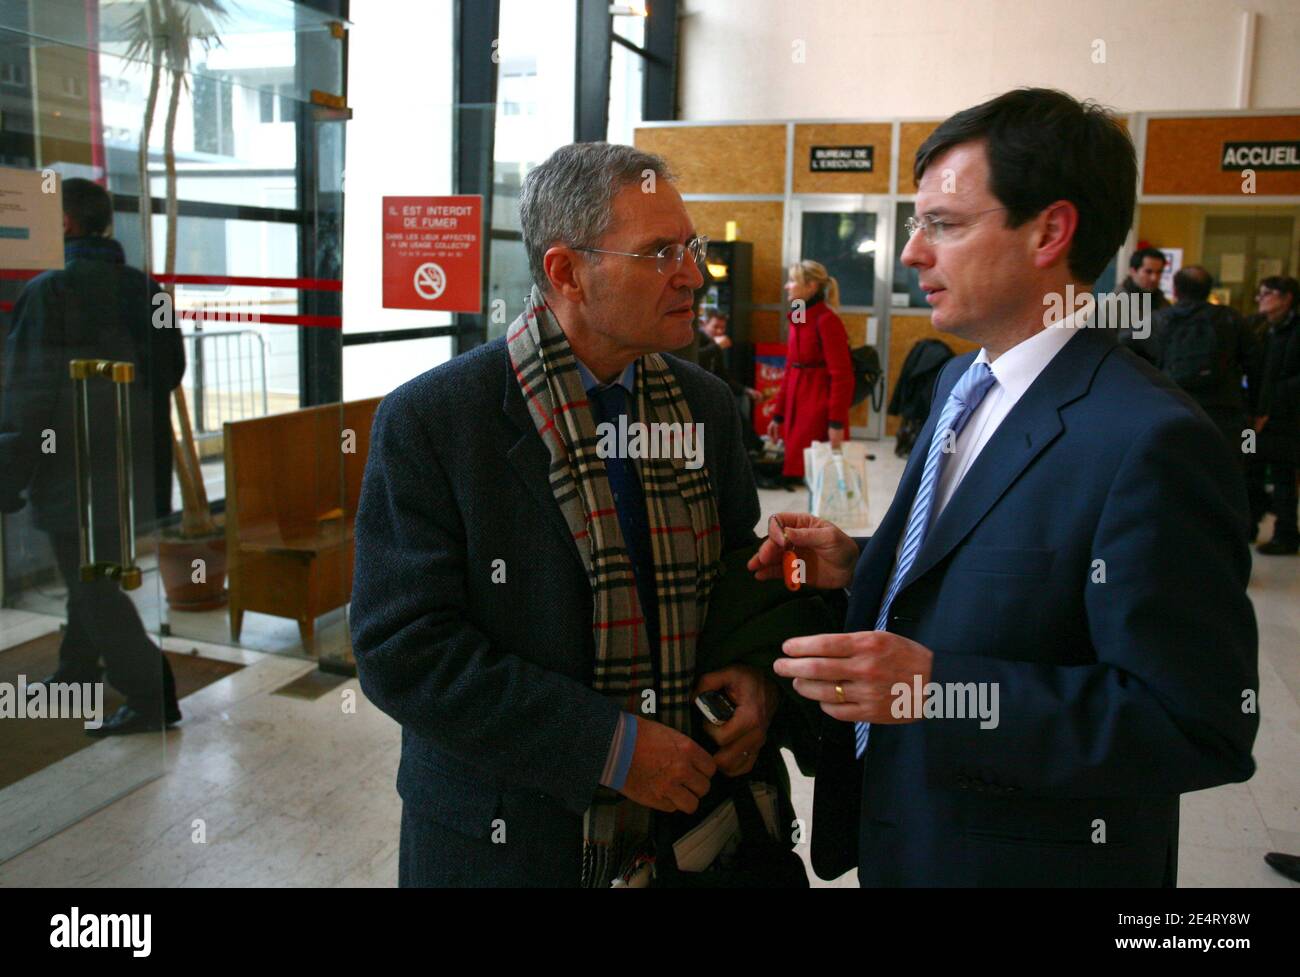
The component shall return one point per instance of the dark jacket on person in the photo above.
(492, 681)
(915, 386)
(1130, 287)
(1257, 327)
(713, 358)
(1228, 392)
(1091, 568)
(96, 307)
(1142, 343)
(1279, 385)
(747, 623)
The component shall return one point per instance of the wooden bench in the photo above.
(291, 501)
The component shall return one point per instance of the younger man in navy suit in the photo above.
(1048, 638)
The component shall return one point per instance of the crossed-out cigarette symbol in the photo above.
(430, 280)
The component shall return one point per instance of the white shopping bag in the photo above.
(837, 483)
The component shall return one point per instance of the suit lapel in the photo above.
(1032, 425)
(532, 462)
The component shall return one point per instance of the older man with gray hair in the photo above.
(525, 604)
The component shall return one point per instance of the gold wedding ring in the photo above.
(839, 691)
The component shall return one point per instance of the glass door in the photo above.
(849, 234)
(1239, 249)
(84, 400)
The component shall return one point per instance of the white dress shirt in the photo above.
(1013, 373)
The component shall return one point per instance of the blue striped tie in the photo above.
(963, 400)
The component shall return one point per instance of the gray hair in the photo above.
(570, 198)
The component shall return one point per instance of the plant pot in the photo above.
(176, 556)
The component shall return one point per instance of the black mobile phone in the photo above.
(715, 705)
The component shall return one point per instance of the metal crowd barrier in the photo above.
(227, 372)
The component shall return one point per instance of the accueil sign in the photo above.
(1261, 155)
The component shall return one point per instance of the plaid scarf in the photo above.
(685, 540)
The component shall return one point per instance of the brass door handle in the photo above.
(122, 374)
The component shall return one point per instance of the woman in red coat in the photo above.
(818, 386)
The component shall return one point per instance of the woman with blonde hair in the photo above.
(817, 389)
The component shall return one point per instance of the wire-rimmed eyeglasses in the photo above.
(669, 257)
(934, 226)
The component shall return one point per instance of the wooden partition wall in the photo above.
(748, 174)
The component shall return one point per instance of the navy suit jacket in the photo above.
(491, 681)
(1093, 564)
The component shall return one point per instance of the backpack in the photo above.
(867, 377)
(1192, 355)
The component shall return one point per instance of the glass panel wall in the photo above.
(534, 117)
(1237, 245)
(626, 89)
(395, 147)
(244, 250)
(845, 242)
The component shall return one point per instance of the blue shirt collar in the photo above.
(589, 381)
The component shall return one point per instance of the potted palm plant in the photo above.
(191, 558)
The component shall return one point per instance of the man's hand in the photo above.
(670, 772)
(866, 665)
(836, 436)
(756, 698)
(773, 431)
(828, 554)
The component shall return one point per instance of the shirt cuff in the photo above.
(621, 747)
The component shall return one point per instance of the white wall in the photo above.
(929, 58)
(398, 144)
(398, 141)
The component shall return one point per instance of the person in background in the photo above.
(1204, 349)
(715, 327)
(96, 307)
(1276, 408)
(712, 353)
(713, 345)
(817, 388)
(1146, 265)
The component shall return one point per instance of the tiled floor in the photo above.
(262, 789)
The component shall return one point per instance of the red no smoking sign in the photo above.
(432, 256)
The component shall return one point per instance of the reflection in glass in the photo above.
(906, 280)
(845, 242)
(626, 84)
(534, 117)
